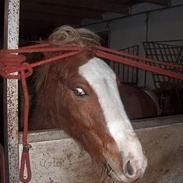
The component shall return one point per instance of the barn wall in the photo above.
(166, 24)
(163, 25)
(56, 158)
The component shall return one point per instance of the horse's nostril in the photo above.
(129, 169)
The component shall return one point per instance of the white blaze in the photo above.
(103, 81)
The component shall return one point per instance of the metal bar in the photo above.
(11, 38)
(166, 52)
(129, 73)
(161, 55)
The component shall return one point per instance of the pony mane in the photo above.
(65, 36)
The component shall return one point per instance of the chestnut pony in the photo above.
(80, 95)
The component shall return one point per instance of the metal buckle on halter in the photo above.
(26, 148)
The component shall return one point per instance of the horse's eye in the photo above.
(78, 91)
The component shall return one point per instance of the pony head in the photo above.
(87, 105)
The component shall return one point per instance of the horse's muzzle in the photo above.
(132, 170)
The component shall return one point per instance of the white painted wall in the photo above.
(166, 24)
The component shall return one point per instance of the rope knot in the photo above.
(11, 60)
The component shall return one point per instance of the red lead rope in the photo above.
(10, 63)
(129, 61)
(25, 160)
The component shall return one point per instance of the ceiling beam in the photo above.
(45, 9)
(159, 2)
(101, 5)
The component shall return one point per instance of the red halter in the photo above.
(10, 63)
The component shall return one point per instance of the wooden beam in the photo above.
(45, 9)
(101, 5)
(159, 2)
